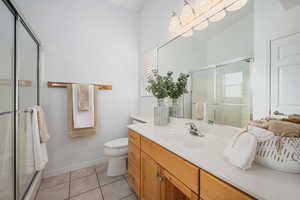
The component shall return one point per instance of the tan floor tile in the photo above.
(55, 180)
(101, 167)
(84, 184)
(131, 197)
(104, 179)
(116, 190)
(82, 173)
(90, 195)
(59, 192)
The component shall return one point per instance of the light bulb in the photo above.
(188, 33)
(237, 5)
(217, 17)
(174, 25)
(202, 26)
(187, 14)
(202, 6)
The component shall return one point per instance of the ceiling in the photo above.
(133, 5)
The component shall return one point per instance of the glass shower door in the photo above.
(203, 84)
(6, 103)
(233, 94)
(27, 70)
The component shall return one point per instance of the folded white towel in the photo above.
(83, 119)
(241, 150)
(39, 149)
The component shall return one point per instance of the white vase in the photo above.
(161, 113)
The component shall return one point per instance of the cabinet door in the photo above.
(173, 189)
(150, 182)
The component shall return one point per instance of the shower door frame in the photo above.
(18, 17)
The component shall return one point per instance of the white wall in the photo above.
(90, 42)
(271, 21)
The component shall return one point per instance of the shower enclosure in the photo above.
(19, 91)
(225, 88)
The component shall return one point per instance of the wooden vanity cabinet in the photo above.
(134, 161)
(155, 173)
(158, 184)
(212, 188)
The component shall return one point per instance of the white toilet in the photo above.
(117, 151)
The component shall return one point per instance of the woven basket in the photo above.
(285, 157)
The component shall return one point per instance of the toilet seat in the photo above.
(117, 143)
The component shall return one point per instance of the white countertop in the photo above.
(206, 153)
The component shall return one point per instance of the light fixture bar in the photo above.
(216, 8)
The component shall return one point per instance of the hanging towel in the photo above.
(26, 128)
(39, 149)
(200, 109)
(5, 148)
(44, 135)
(83, 119)
(79, 132)
(83, 97)
(241, 150)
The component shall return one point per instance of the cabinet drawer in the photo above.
(181, 169)
(134, 137)
(134, 178)
(211, 188)
(134, 155)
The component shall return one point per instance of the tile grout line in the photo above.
(99, 184)
(69, 195)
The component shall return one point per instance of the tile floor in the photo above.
(85, 184)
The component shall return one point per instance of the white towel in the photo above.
(39, 149)
(241, 150)
(83, 119)
(200, 111)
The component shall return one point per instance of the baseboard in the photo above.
(34, 187)
(55, 172)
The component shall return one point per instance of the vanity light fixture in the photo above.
(237, 5)
(189, 33)
(175, 24)
(187, 14)
(218, 16)
(197, 17)
(202, 26)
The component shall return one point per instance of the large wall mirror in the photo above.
(219, 61)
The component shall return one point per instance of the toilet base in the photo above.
(116, 166)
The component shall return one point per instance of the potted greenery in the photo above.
(175, 91)
(158, 86)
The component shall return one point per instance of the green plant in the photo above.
(177, 89)
(158, 85)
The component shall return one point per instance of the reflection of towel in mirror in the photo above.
(83, 97)
(200, 111)
(39, 149)
(241, 150)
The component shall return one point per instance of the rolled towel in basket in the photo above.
(284, 129)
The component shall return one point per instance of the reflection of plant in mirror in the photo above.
(177, 89)
(158, 85)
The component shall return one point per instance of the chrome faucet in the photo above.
(193, 129)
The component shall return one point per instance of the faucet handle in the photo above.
(192, 126)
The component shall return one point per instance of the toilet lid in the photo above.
(117, 143)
